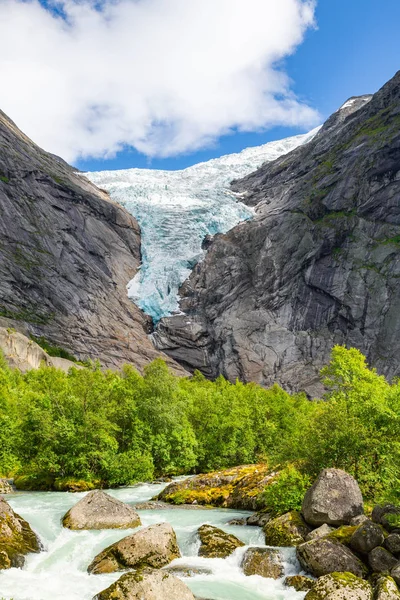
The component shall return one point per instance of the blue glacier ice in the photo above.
(176, 210)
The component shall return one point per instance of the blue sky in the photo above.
(354, 50)
(161, 83)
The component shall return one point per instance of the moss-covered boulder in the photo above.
(340, 586)
(386, 589)
(238, 487)
(392, 543)
(98, 510)
(153, 547)
(289, 529)
(216, 543)
(387, 515)
(266, 562)
(366, 537)
(260, 518)
(299, 583)
(146, 585)
(334, 498)
(324, 556)
(16, 538)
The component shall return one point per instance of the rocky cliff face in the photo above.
(318, 265)
(67, 252)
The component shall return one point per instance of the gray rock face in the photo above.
(153, 547)
(340, 586)
(317, 266)
(334, 498)
(66, 255)
(98, 510)
(320, 557)
(381, 561)
(367, 537)
(266, 562)
(147, 585)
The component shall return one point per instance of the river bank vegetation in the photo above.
(99, 428)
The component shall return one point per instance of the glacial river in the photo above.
(59, 572)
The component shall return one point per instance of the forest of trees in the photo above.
(111, 428)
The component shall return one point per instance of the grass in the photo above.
(53, 350)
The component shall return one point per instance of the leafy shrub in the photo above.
(286, 492)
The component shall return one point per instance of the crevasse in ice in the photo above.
(176, 210)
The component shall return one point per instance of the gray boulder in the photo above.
(153, 547)
(392, 543)
(395, 573)
(289, 529)
(259, 519)
(98, 510)
(216, 543)
(340, 586)
(380, 560)
(266, 562)
(386, 589)
(146, 585)
(323, 556)
(320, 532)
(334, 498)
(367, 536)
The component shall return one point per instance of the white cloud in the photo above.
(163, 76)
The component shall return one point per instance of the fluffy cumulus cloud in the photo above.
(86, 78)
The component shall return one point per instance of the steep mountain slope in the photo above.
(66, 253)
(318, 265)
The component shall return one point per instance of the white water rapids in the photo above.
(59, 572)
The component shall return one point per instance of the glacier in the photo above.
(177, 209)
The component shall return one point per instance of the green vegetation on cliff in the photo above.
(91, 428)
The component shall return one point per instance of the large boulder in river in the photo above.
(334, 498)
(146, 585)
(324, 556)
(266, 562)
(340, 586)
(287, 530)
(153, 546)
(16, 538)
(98, 510)
(216, 543)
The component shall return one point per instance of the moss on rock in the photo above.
(288, 530)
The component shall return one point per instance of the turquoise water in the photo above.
(59, 572)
